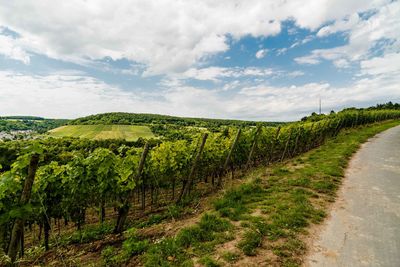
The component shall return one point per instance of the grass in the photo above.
(271, 211)
(198, 240)
(132, 246)
(88, 234)
(127, 132)
(207, 261)
(230, 257)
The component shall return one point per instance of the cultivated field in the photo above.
(127, 132)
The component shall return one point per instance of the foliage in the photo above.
(209, 262)
(230, 257)
(137, 118)
(24, 123)
(76, 175)
(130, 247)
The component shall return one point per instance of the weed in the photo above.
(232, 204)
(210, 228)
(134, 246)
(211, 222)
(192, 235)
(230, 257)
(108, 255)
(252, 239)
(174, 211)
(167, 253)
(153, 219)
(130, 247)
(88, 234)
(209, 262)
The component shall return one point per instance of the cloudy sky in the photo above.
(243, 59)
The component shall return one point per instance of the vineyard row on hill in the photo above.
(38, 188)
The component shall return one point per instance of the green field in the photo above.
(127, 132)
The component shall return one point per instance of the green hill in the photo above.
(127, 132)
(141, 118)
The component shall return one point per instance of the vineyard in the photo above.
(67, 181)
(126, 132)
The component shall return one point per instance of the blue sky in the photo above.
(257, 60)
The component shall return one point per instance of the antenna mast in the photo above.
(320, 105)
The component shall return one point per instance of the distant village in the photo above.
(17, 135)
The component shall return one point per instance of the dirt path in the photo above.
(364, 224)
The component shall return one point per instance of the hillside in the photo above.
(126, 132)
(168, 127)
(142, 118)
(142, 203)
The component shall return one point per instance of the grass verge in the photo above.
(267, 217)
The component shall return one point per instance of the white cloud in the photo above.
(333, 54)
(61, 95)
(254, 71)
(229, 78)
(311, 89)
(296, 73)
(72, 94)
(261, 53)
(215, 74)
(10, 48)
(380, 31)
(388, 64)
(281, 51)
(340, 26)
(307, 39)
(310, 60)
(341, 63)
(165, 35)
(293, 102)
(210, 73)
(177, 38)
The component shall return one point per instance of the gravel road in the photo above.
(363, 228)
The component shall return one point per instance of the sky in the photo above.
(268, 60)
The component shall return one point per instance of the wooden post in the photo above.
(143, 195)
(308, 145)
(271, 152)
(322, 135)
(102, 211)
(173, 188)
(253, 146)
(287, 144)
(17, 231)
(186, 188)
(335, 128)
(40, 232)
(140, 173)
(361, 120)
(22, 250)
(228, 158)
(355, 121)
(293, 153)
(46, 229)
(339, 125)
(124, 209)
(331, 128)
